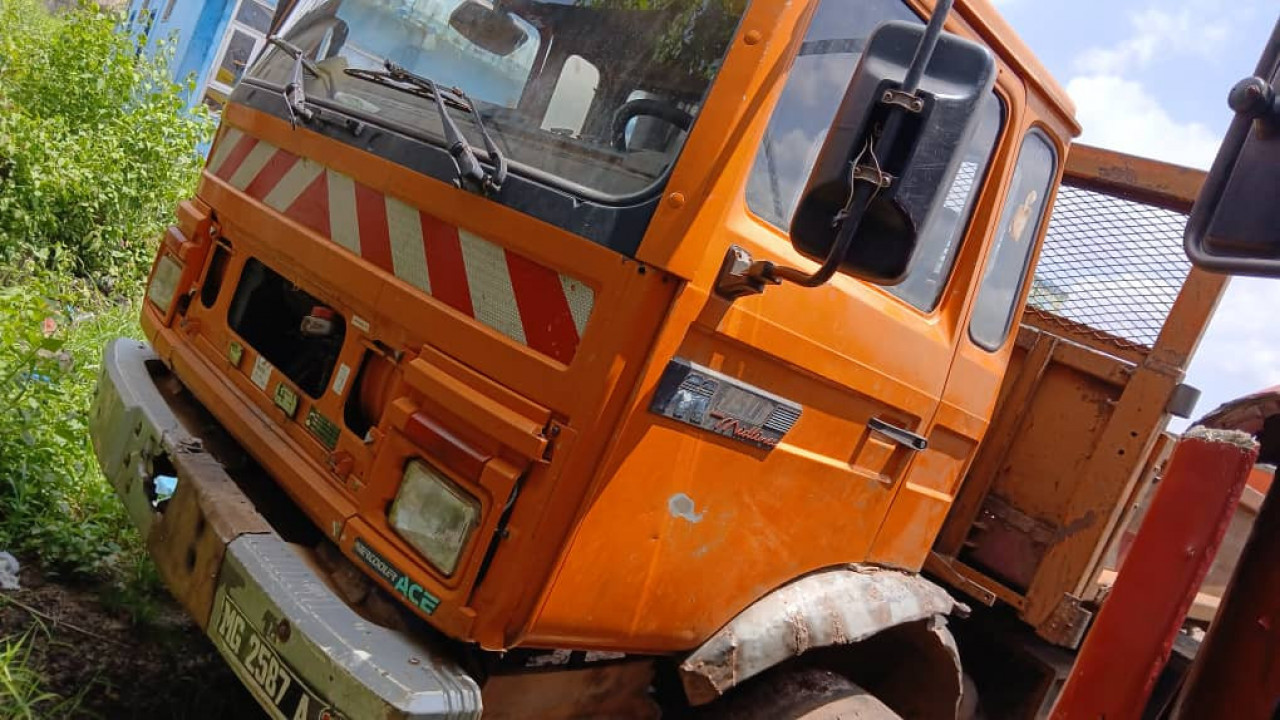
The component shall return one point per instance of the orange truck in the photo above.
(606, 358)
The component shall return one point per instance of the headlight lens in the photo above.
(164, 283)
(434, 515)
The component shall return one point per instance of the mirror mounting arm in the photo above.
(741, 275)
(1253, 98)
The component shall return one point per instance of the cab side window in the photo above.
(1020, 224)
(808, 103)
(571, 100)
(940, 238)
(828, 56)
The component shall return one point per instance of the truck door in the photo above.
(886, 351)
(860, 368)
(982, 354)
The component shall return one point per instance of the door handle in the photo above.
(902, 436)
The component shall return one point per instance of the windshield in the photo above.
(599, 94)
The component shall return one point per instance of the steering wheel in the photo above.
(644, 106)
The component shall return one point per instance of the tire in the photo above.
(801, 693)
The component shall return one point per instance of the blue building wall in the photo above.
(197, 26)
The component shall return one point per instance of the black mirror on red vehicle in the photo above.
(909, 168)
(488, 27)
(1235, 224)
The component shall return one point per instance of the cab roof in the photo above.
(983, 17)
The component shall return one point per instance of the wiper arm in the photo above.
(489, 182)
(295, 96)
(471, 174)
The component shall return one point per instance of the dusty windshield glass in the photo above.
(597, 93)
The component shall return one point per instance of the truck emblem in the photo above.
(417, 595)
(723, 405)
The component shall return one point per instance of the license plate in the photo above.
(266, 670)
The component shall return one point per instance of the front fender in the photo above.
(841, 606)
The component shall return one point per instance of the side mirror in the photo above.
(488, 27)
(1235, 224)
(912, 174)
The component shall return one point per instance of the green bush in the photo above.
(54, 504)
(96, 145)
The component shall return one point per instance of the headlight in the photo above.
(434, 515)
(164, 283)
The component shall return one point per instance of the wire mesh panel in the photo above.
(1110, 267)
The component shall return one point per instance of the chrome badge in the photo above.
(723, 405)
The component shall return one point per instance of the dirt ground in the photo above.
(165, 669)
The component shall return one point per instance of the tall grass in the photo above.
(22, 694)
(96, 147)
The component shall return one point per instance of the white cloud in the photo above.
(1122, 115)
(1189, 30)
(1238, 355)
(1118, 112)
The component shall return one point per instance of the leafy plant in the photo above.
(96, 148)
(136, 589)
(96, 145)
(54, 503)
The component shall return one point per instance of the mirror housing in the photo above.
(488, 27)
(1235, 224)
(921, 164)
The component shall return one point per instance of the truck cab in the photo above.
(451, 356)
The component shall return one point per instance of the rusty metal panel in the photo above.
(1114, 316)
(1135, 509)
(1027, 364)
(1116, 463)
(1133, 635)
(1150, 182)
(1067, 413)
(1009, 543)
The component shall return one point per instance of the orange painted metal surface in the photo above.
(629, 531)
(1131, 638)
(664, 582)
(463, 375)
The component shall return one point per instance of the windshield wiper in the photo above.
(471, 174)
(295, 96)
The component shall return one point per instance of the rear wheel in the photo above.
(802, 693)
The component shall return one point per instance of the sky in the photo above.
(1151, 78)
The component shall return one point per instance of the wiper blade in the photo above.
(471, 174)
(295, 96)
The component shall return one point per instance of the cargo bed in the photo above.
(1115, 314)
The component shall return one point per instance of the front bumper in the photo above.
(288, 636)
